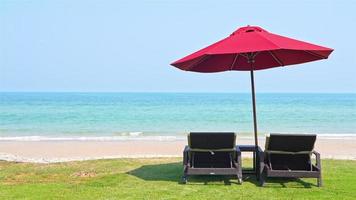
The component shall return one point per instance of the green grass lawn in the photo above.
(159, 179)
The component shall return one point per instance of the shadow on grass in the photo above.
(173, 172)
(288, 183)
(159, 172)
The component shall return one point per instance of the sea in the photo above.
(169, 116)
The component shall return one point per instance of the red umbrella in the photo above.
(251, 48)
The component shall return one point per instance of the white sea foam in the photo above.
(93, 138)
(337, 136)
(138, 136)
(129, 133)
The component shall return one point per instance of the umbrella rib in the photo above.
(276, 58)
(255, 54)
(198, 62)
(250, 55)
(244, 55)
(315, 54)
(233, 62)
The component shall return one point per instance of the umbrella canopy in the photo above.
(251, 48)
(251, 44)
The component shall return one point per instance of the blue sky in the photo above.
(128, 45)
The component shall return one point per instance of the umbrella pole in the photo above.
(255, 155)
(254, 107)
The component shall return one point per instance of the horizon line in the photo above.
(247, 92)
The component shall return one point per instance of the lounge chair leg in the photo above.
(262, 180)
(239, 176)
(320, 182)
(184, 179)
(258, 176)
(239, 179)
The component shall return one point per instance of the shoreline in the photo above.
(140, 137)
(66, 150)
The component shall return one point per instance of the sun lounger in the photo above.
(289, 155)
(212, 154)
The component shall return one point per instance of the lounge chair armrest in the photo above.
(260, 154)
(260, 161)
(186, 155)
(238, 154)
(238, 150)
(317, 157)
(186, 148)
(317, 154)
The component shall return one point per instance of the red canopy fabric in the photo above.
(251, 44)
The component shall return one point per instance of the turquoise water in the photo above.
(112, 114)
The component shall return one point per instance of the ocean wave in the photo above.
(137, 133)
(93, 138)
(139, 136)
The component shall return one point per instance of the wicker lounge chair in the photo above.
(212, 154)
(289, 155)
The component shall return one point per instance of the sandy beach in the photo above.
(62, 151)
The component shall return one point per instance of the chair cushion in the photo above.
(212, 140)
(290, 151)
(290, 162)
(208, 160)
(290, 142)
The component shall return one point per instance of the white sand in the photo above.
(62, 151)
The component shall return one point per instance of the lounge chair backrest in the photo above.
(290, 143)
(212, 141)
